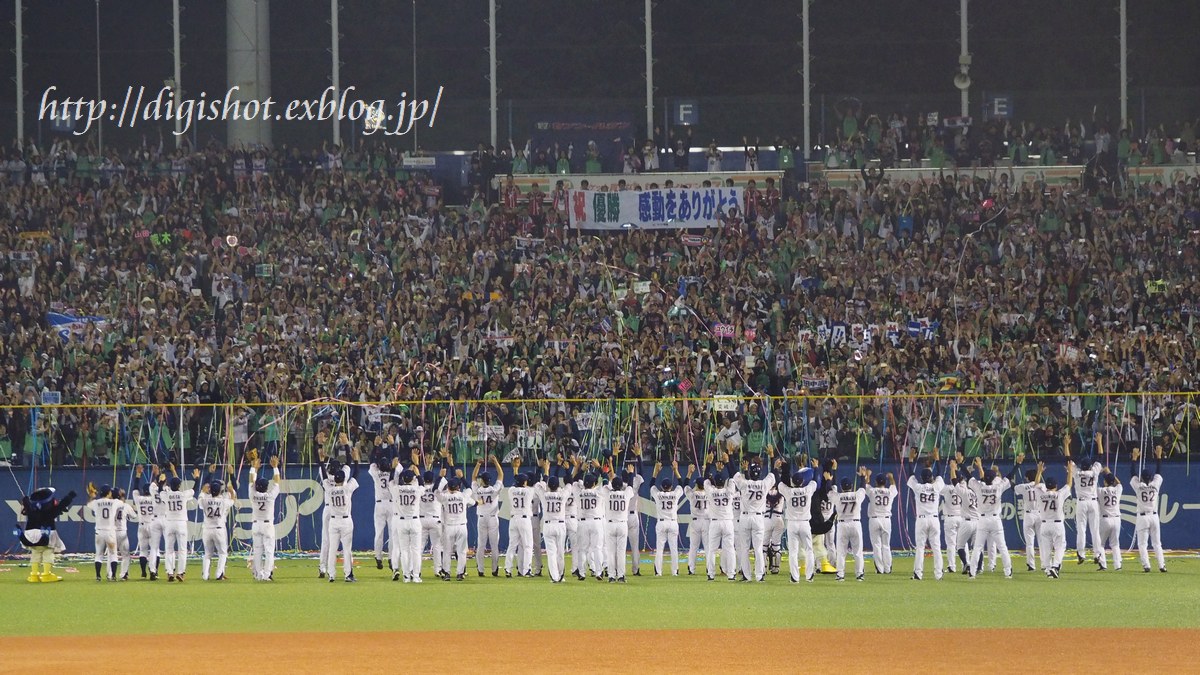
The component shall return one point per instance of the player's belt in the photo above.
(752, 513)
(340, 516)
(554, 522)
(596, 518)
(432, 517)
(1053, 521)
(614, 522)
(969, 519)
(520, 516)
(1085, 499)
(880, 517)
(927, 515)
(380, 501)
(408, 517)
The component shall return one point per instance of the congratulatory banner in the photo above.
(672, 208)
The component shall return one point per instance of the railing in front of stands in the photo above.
(855, 428)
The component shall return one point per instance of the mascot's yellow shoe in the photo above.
(34, 577)
(826, 568)
(49, 577)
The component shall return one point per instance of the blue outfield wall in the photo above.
(298, 512)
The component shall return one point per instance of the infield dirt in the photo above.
(603, 651)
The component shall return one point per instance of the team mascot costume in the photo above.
(41, 509)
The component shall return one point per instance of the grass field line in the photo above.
(298, 601)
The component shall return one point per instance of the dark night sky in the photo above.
(593, 48)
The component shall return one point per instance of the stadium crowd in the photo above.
(251, 275)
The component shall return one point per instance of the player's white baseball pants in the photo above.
(488, 529)
(325, 538)
(573, 542)
(106, 549)
(799, 535)
(341, 533)
(589, 548)
(950, 527)
(741, 544)
(1031, 525)
(850, 541)
(555, 534)
(123, 553)
(881, 543)
(520, 539)
(150, 535)
(1110, 539)
(966, 536)
(1148, 529)
(1053, 543)
(697, 534)
(720, 538)
(262, 549)
(928, 533)
(454, 543)
(666, 534)
(535, 553)
(406, 546)
(634, 537)
(176, 535)
(216, 540)
(616, 538)
(383, 518)
(431, 534)
(1087, 518)
(990, 532)
(754, 532)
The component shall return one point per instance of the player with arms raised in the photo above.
(1148, 487)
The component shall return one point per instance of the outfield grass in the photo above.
(298, 601)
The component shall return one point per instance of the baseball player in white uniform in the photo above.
(797, 510)
(341, 524)
(520, 529)
(486, 488)
(431, 518)
(406, 524)
(589, 548)
(381, 477)
(1109, 497)
(454, 502)
(849, 529)
(554, 523)
(952, 518)
(535, 526)
(720, 524)
(667, 496)
(697, 531)
(752, 488)
(616, 497)
(176, 502)
(571, 490)
(990, 492)
(263, 494)
(880, 501)
(633, 520)
(326, 473)
(970, 520)
(104, 508)
(214, 502)
(1053, 535)
(1031, 512)
(1087, 511)
(125, 513)
(926, 489)
(150, 526)
(1148, 486)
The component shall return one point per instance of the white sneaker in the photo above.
(416, 580)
